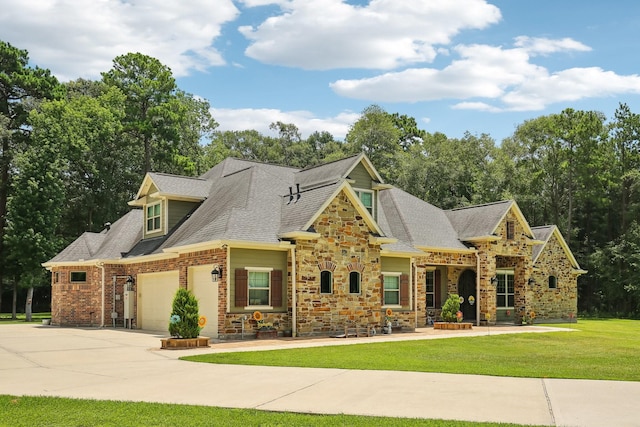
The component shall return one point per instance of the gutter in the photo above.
(294, 300)
(101, 266)
(477, 252)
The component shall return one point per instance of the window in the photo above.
(431, 289)
(153, 217)
(354, 282)
(326, 282)
(505, 290)
(391, 289)
(78, 276)
(258, 288)
(553, 282)
(366, 197)
(510, 230)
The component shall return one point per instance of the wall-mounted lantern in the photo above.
(216, 273)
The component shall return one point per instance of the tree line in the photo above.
(73, 154)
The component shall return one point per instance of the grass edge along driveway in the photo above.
(595, 349)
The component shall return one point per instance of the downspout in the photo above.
(414, 277)
(477, 252)
(101, 266)
(294, 305)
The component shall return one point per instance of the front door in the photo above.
(467, 292)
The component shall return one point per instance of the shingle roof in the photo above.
(250, 201)
(182, 185)
(415, 221)
(541, 233)
(479, 220)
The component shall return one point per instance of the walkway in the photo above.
(128, 365)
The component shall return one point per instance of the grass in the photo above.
(53, 411)
(5, 318)
(596, 349)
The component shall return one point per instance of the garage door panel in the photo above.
(155, 298)
(199, 282)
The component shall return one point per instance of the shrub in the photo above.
(450, 308)
(183, 322)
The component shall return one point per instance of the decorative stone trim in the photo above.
(327, 266)
(355, 266)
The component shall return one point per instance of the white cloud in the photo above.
(384, 34)
(260, 119)
(506, 79)
(78, 38)
(544, 46)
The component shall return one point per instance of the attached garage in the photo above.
(199, 282)
(155, 297)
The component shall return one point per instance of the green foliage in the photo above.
(184, 318)
(450, 308)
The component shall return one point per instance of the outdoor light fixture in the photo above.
(216, 273)
(531, 282)
(494, 280)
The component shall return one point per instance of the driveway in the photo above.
(118, 364)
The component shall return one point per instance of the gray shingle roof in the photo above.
(182, 185)
(415, 221)
(478, 221)
(541, 233)
(325, 173)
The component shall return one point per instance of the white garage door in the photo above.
(155, 298)
(199, 282)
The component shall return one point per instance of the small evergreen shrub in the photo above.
(450, 308)
(183, 322)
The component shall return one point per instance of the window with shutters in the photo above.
(395, 289)
(258, 288)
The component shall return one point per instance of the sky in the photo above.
(455, 66)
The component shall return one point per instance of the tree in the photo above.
(166, 123)
(184, 318)
(21, 87)
(34, 215)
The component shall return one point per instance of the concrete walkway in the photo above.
(128, 365)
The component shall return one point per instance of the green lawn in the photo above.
(595, 349)
(5, 318)
(51, 411)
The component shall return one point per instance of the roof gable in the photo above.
(482, 221)
(171, 186)
(545, 233)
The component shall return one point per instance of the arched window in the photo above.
(326, 282)
(553, 282)
(354, 282)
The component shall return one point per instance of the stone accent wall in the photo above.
(559, 303)
(344, 242)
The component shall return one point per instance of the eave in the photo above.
(381, 240)
(300, 235)
(489, 238)
(446, 250)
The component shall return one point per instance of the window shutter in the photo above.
(241, 287)
(437, 303)
(404, 290)
(276, 288)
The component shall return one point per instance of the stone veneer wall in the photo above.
(559, 303)
(343, 247)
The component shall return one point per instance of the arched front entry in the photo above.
(467, 290)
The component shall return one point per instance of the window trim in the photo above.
(432, 273)
(359, 276)
(397, 275)
(330, 282)
(71, 273)
(147, 218)
(506, 293)
(250, 270)
(358, 192)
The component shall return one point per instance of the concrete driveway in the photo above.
(128, 365)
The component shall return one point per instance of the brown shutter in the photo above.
(437, 302)
(404, 290)
(241, 287)
(276, 288)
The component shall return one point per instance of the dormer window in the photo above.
(153, 217)
(366, 197)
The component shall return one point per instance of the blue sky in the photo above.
(454, 65)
